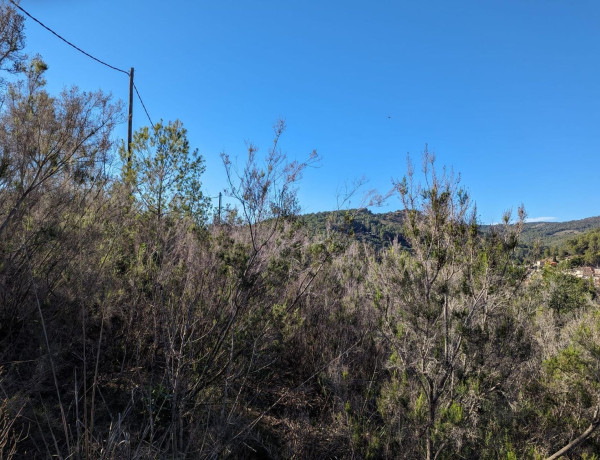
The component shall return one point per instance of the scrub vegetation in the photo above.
(135, 322)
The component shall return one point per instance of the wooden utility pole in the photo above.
(220, 207)
(130, 120)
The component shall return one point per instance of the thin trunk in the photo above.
(578, 440)
(430, 421)
(446, 328)
(95, 383)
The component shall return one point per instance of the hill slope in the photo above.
(382, 229)
(555, 233)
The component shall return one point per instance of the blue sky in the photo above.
(507, 92)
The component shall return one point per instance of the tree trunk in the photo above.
(578, 440)
(429, 434)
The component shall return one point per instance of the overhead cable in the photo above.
(67, 41)
(143, 105)
(85, 53)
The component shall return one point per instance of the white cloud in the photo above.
(539, 219)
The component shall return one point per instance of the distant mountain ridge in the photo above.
(553, 233)
(382, 229)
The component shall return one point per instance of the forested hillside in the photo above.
(381, 229)
(555, 233)
(583, 249)
(378, 230)
(135, 324)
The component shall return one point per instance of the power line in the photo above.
(67, 41)
(143, 105)
(85, 53)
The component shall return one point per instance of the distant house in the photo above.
(543, 262)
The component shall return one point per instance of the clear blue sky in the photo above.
(507, 92)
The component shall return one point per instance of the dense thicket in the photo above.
(134, 326)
